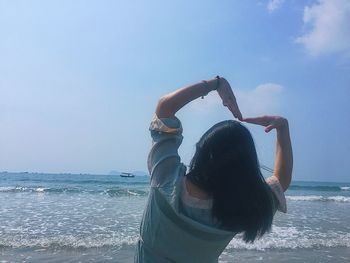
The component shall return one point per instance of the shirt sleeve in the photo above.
(277, 190)
(163, 159)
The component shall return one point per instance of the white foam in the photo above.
(69, 241)
(338, 198)
(6, 188)
(12, 189)
(344, 199)
(132, 193)
(305, 198)
(345, 188)
(292, 238)
(279, 238)
(21, 189)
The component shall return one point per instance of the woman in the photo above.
(191, 217)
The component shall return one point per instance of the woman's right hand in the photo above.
(270, 122)
(228, 98)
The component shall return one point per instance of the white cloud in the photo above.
(264, 99)
(273, 5)
(329, 27)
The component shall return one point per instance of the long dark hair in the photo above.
(226, 166)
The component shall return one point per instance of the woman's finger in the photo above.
(238, 113)
(270, 122)
(234, 110)
(269, 128)
(229, 106)
(256, 120)
(237, 110)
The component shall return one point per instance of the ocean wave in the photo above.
(279, 238)
(84, 181)
(125, 192)
(24, 189)
(68, 241)
(338, 198)
(293, 238)
(320, 188)
(115, 191)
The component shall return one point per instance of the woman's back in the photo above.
(176, 227)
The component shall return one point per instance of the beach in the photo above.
(95, 218)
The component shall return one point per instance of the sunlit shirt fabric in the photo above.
(177, 227)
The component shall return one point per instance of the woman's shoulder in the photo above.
(194, 197)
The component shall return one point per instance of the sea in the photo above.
(96, 218)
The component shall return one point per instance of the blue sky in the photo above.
(79, 80)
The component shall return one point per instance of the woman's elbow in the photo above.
(164, 108)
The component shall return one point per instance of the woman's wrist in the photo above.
(283, 125)
(212, 84)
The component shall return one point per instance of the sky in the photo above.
(80, 80)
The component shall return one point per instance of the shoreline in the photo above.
(138, 174)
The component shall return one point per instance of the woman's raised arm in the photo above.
(169, 104)
(284, 154)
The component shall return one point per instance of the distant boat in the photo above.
(127, 175)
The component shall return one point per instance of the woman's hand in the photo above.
(270, 122)
(284, 153)
(228, 98)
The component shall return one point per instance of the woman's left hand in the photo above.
(270, 122)
(228, 98)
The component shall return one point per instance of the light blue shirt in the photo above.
(171, 230)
